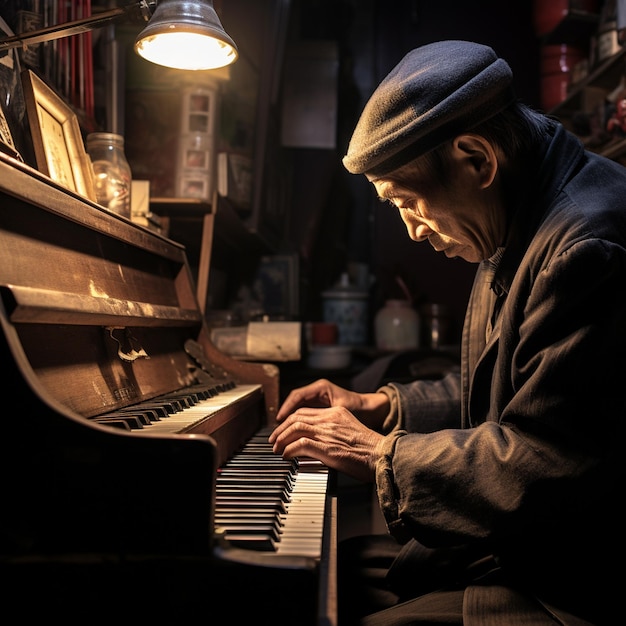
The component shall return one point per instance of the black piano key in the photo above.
(159, 410)
(271, 479)
(266, 462)
(178, 402)
(115, 423)
(252, 541)
(130, 421)
(247, 502)
(255, 473)
(243, 491)
(271, 525)
(246, 527)
(249, 510)
(141, 416)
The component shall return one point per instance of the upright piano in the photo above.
(135, 476)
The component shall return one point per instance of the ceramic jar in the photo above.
(397, 326)
(347, 306)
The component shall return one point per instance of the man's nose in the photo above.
(418, 231)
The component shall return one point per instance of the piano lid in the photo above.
(102, 307)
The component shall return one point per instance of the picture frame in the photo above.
(14, 132)
(197, 159)
(276, 286)
(7, 145)
(56, 136)
(194, 187)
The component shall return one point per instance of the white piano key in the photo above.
(185, 419)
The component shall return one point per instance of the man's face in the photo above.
(460, 218)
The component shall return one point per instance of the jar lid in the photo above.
(434, 309)
(397, 302)
(344, 294)
(107, 137)
(344, 290)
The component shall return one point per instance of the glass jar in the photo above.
(112, 176)
(435, 325)
(397, 326)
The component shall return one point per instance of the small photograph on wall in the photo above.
(198, 110)
(194, 188)
(196, 159)
(276, 286)
(195, 167)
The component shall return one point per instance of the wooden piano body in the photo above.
(99, 522)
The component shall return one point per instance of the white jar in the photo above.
(397, 326)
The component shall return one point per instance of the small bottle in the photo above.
(397, 326)
(435, 325)
(112, 176)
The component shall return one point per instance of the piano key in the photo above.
(271, 528)
(262, 501)
(115, 423)
(260, 493)
(252, 541)
(134, 422)
(306, 481)
(178, 421)
(251, 501)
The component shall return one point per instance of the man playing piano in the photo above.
(499, 484)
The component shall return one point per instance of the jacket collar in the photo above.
(557, 160)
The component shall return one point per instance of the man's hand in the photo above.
(332, 435)
(370, 408)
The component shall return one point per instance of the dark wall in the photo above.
(343, 222)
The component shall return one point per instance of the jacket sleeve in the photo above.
(424, 405)
(554, 410)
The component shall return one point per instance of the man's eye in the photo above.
(388, 201)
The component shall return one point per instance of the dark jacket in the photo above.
(531, 460)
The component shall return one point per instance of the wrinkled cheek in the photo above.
(412, 227)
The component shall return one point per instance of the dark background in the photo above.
(335, 218)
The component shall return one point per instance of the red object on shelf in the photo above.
(557, 62)
(547, 14)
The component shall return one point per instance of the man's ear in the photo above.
(479, 154)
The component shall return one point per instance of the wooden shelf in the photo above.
(575, 27)
(605, 76)
(590, 91)
(180, 207)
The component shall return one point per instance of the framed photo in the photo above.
(194, 188)
(7, 145)
(197, 158)
(276, 286)
(14, 131)
(57, 140)
(199, 110)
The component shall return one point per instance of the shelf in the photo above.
(606, 76)
(590, 92)
(47, 306)
(575, 27)
(180, 207)
(613, 149)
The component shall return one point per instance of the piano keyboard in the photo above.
(263, 502)
(176, 412)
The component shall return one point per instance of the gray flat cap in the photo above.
(436, 92)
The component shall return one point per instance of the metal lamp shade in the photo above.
(186, 35)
